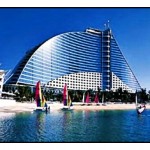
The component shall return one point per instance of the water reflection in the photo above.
(4, 115)
(76, 126)
(40, 125)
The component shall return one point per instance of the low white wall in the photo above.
(6, 102)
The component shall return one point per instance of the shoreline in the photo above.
(10, 106)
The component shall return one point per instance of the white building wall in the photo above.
(79, 81)
(117, 83)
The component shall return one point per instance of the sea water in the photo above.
(76, 126)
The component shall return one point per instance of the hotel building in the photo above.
(2, 74)
(83, 60)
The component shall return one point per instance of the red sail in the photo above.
(37, 94)
(96, 99)
(65, 95)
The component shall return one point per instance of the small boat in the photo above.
(40, 99)
(67, 102)
(139, 108)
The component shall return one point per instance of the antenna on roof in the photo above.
(105, 25)
(108, 23)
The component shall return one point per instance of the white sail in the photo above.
(102, 98)
(83, 97)
(136, 100)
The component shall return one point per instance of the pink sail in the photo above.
(65, 95)
(87, 98)
(96, 99)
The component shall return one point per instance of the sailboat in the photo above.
(103, 104)
(40, 99)
(67, 102)
(87, 100)
(96, 100)
(140, 108)
(83, 101)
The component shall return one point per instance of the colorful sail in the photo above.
(96, 98)
(65, 95)
(38, 94)
(66, 98)
(69, 101)
(39, 97)
(87, 98)
(43, 101)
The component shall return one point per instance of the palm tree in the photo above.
(126, 96)
(149, 95)
(80, 95)
(23, 93)
(99, 94)
(143, 95)
(118, 94)
(72, 94)
(48, 93)
(110, 95)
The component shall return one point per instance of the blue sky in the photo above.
(23, 28)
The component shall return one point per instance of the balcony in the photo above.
(106, 66)
(106, 35)
(106, 76)
(106, 56)
(104, 61)
(105, 45)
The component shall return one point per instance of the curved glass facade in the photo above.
(87, 52)
(120, 67)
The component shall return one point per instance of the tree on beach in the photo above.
(48, 93)
(143, 95)
(23, 93)
(80, 95)
(149, 95)
(120, 93)
(72, 94)
(99, 94)
(125, 96)
(110, 95)
(76, 95)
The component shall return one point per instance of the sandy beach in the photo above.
(12, 106)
